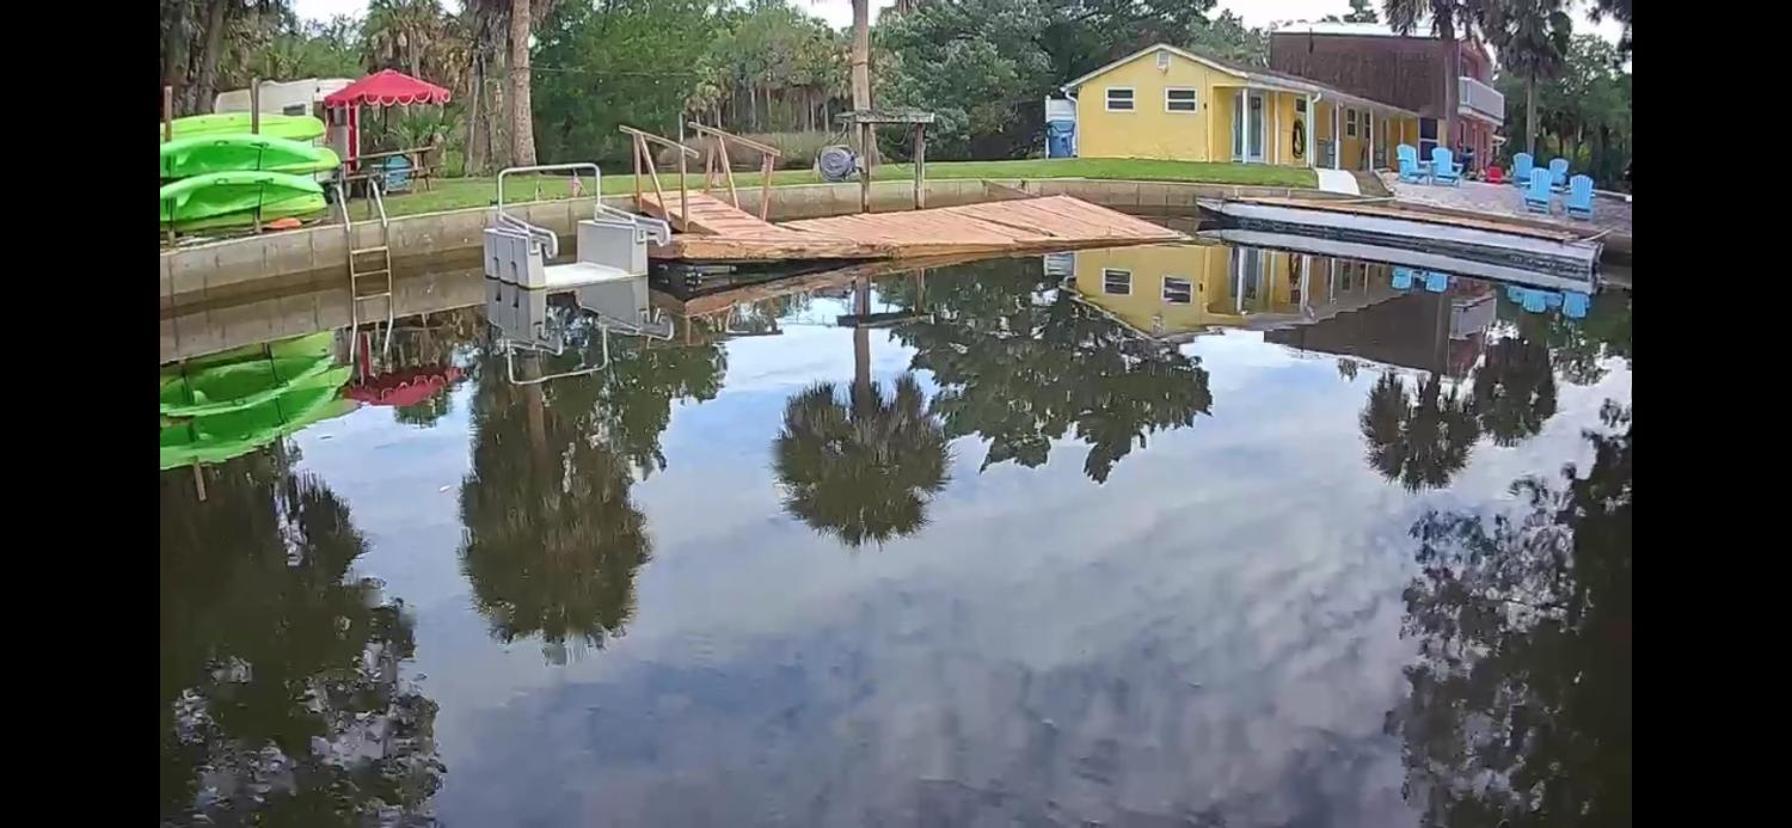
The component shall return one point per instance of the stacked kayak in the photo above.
(183, 157)
(227, 199)
(290, 127)
(226, 405)
(217, 173)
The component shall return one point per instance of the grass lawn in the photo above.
(456, 193)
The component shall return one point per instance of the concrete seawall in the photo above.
(295, 260)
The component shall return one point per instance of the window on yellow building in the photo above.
(1117, 282)
(1180, 100)
(1178, 291)
(1350, 123)
(1119, 99)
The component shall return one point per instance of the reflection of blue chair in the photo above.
(1443, 170)
(1575, 305)
(1536, 196)
(1403, 278)
(1558, 173)
(1521, 169)
(1579, 202)
(1534, 300)
(1437, 282)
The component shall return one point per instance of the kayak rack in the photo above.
(607, 277)
(383, 268)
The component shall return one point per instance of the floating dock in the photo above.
(1560, 253)
(713, 230)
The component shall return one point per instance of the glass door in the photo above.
(1247, 126)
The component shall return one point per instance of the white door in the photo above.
(1247, 126)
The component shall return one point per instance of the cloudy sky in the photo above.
(839, 12)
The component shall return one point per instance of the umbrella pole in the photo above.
(199, 480)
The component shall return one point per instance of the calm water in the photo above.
(1271, 543)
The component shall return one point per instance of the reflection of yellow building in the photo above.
(1177, 290)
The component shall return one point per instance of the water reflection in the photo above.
(1162, 648)
(281, 695)
(1022, 362)
(1520, 701)
(864, 467)
(553, 538)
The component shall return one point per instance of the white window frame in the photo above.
(1350, 122)
(1115, 271)
(1132, 101)
(1194, 99)
(1164, 292)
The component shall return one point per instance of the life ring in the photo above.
(1300, 138)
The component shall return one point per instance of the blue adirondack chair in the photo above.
(1558, 173)
(1410, 168)
(1436, 282)
(1579, 203)
(1575, 305)
(1537, 195)
(1443, 168)
(397, 174)
(1402, 278)
(1535, 301)
(1521, 170)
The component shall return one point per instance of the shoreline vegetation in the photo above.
(460, 193)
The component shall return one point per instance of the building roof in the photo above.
(1254, 75)
(1423, 29)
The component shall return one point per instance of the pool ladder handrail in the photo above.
(355, 274)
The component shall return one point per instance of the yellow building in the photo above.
(1173, 291)
(1173, 104)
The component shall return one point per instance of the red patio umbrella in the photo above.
(388, 87)
(402, 388)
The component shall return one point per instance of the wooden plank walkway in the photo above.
(720, 232)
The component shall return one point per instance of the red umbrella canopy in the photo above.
(402, 388)
(388, 87)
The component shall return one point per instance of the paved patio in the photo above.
(1609, 213)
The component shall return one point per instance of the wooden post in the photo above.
(765, 186)
(684, 201)
(255, 106)
(920, 166)
(1337, 134)
(728, 172)
(199, 481)
(635, 141)
(865, 140)
(168, 113)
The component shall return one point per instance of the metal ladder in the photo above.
(383, 269)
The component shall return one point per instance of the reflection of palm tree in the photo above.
(1514, 390)
(864, 471)
(1421, 443)
(1520, 701)
(552, 537)
(278, 669)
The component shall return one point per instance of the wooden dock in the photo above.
(720, 232)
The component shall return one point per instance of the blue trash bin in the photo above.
(1059, 137)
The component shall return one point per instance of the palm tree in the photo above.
(552, 538)
(1448, 18)
(865, 470)
(1422, 443)
(522, 114)
(1532, 37)
(1514, 390)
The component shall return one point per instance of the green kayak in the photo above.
(232, 198)
(318, 344)
(203, 154)
(205, 391)
(290, 127)
(220, 437)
